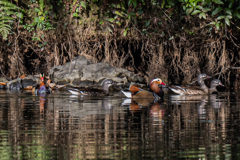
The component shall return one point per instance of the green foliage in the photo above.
(124, 15)
(7, 11)
(40, 18)
(220, 11)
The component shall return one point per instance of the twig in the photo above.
(166, 15)
(235, 25)
(2, 72)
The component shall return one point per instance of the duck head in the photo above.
(203, 76)
(156, 84)
(41, 77)
(106, 84)
(156, 81)
(215, 82)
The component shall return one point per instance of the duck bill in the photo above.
(220, 84)
(163, 83)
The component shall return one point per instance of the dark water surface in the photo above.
(61, 126)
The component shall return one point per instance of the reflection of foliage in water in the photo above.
(73, 128)
(5, 149)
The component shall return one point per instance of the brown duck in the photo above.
(83, 91)
(197, 90)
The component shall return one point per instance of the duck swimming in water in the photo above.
(155, 91)
(83, 91)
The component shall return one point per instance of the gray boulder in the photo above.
(83, 72)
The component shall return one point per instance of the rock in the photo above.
(28, 81)
(14, 84)
(83, 72)
(3, 79)
(21, 83)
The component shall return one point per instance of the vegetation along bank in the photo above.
(172, 39)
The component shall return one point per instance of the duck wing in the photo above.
(186, 89)
(86, 91)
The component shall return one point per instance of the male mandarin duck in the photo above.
(196, 90)
(93, 91)
(192, 89)
(155, 91)
(41, 88)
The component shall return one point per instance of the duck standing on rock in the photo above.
(155, 92)
(83, 91)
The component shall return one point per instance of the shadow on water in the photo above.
(62, 126)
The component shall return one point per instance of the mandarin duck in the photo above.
(192, 89)
(197, 90)
(83, 91)
(41, 87)
(155, 92)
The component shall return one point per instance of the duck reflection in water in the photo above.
(203, 102)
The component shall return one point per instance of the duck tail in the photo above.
(127, 94)
(73, 91)
(177, 89)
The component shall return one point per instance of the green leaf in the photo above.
(228, 11)
(118, 23)
(125, 33)
(41, 4)
(206, 9)
(184, 7)
(111, 19)
(195, 12)
(218, 1)
(189, 10)
(216, 11)
(202, 15)
(231, 4)
(101, 22)
(132, 14)
(20, 15)
(83, 4)
(229, 17)
(116, 12)
(134, 3)
(75, 15)
(217, 26)
(227, 21)
(237, 14)
(212, 23)
(163, 3)
(220, 17)
(199, 7)
(36, 19)
(147, 23)
(36, 10)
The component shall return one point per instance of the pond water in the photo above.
(62, 126)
